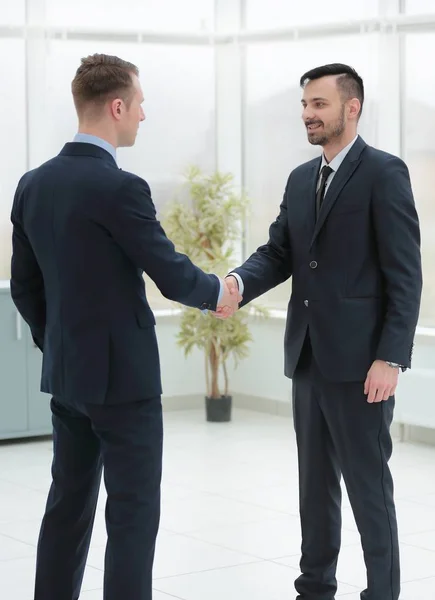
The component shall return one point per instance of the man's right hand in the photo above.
(230, 300)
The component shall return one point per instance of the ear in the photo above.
(116, 108)
(354, 108)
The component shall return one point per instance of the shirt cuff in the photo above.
(239, 281)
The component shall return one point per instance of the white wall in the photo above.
(261, 376)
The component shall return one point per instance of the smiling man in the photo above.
(348, 234)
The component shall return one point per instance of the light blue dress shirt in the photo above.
(87, 138)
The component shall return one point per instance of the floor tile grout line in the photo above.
(243, 553)
(10, 537)
(211, 570)
(415, 545)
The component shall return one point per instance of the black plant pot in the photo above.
(218, 410)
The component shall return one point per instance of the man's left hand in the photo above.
(381, 381)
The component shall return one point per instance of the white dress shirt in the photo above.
(335, 165)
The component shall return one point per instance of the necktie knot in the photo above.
(326, 172)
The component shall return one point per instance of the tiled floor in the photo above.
(229, 529)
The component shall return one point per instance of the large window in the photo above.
(139, 15)
(420, 156)
(13, 140)
(275, 140)
(282, 13)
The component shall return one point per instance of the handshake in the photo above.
(230, 300)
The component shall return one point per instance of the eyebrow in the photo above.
(314, 100)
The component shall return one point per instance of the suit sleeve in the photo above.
(398, 241)
(27, 283)
(270, 264)
(131, 220)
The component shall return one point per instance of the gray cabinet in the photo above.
(13, 377)
(39, 413)
(24, 410)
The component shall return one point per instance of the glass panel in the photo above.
(420, 156)
(168, 15)
(282, 13)
(420, 7)
(275, 141)
(13, 146)
(14, 14)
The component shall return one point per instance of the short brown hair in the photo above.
(101, 78)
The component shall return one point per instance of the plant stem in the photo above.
(207, 373)
(224, 366)
(214, 366)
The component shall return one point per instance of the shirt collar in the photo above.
(336, 161)
(87, 138)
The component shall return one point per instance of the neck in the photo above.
(336, 146)
(98, 131)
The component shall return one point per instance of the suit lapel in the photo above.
(340, 179)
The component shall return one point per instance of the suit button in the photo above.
(205, 306)
(313, 264)
(306, 302)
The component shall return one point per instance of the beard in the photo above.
(325, 137)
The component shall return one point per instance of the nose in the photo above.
(308, 114)
(142, 115)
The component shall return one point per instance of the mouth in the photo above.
(314, 127)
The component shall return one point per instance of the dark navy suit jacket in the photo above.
(356, 271)
(84, 232)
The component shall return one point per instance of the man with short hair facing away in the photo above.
(84, 232)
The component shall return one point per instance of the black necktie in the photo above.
(324, 174)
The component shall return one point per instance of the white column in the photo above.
(36, 117)
(390, 82)
(229, 98)
(229, 91)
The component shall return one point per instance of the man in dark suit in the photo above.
(348, 234)
(83, 233)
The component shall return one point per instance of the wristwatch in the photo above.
(395, 365)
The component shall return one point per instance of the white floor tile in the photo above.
(17, 578)
(425, 539)
(229, 514)
(202, 511)
(411, 517)
(11, 549)
(18, 502)
(98, 595)
(265, 539)
(258, 581)
(22, 531)
(350, 570)
(416, 563)
(425, 499)
(179, 555)
(423, 589)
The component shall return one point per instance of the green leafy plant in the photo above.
(206, 226)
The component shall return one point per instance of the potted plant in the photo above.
(206, 226)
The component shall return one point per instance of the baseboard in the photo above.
(400, 431)
(187, 402)
(243, 401)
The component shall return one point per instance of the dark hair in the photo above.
(101, 78)
(349, 83)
